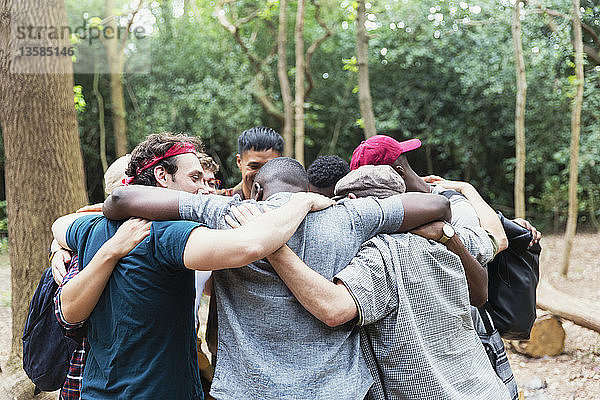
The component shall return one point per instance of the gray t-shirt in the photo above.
(270, 347)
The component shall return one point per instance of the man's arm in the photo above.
(422, 208)
(79, 296)
(61, 226)
(208, 249)
(329, 302)
(142, 201)
(487, 216)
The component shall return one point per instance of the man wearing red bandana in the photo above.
(141, 326)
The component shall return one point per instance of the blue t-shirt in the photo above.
(141, 333)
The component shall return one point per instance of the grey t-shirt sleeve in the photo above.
(209, 210)
(374, 216)
(478, 243)
(371, 281)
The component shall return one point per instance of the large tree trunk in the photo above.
(284, 83)
(299, 98)
(362, 58)
(575, 129)
(519, 188)
(115, 56)
(44, 167)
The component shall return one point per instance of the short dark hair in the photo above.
(326, 171)
(283, 170)
(260, 138)
(156, 145)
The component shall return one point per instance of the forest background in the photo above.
(439, 70)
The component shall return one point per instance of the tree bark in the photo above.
(44, 167)
(116, 63)
(547, 338)
(362, 58)
(284, 83)
(299, 95)
(581, 312)
(519, 189)
(575, 131)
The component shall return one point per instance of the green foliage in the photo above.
(442, 71)
(3, 217)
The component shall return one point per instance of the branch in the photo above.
(257, 64)
(588, 29)
(133, 14)
(313, 47)
(249, 18)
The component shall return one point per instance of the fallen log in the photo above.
(547, 338)
(581, 312)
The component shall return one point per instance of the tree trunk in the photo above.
(547, 338)
(519, 188)
(101, 126)
(575, 130)
(44, 167)
(362, 58)
(284, 83)
(299, 98)
(579, 311)
(115, 57)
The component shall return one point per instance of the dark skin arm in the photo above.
(148, 202)
(163, 204)
(422, 208)
(477, 276)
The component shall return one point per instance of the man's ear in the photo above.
(400, 170)
(160, 174)
(257, 191)
(238, 160)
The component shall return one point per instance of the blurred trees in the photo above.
(43, 163)
(442, 71)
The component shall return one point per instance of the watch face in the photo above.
(448, 230)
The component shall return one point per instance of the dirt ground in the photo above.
(573, 375)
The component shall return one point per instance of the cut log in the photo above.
(581, 312)
(547, 338)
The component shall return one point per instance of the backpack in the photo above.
(46, 350)
(513, 276)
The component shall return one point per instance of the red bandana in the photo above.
(175, 150)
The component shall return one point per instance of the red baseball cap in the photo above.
(381, 150)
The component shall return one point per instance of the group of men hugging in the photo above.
(341, 282)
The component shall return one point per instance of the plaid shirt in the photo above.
(71, 389)
(418, 337)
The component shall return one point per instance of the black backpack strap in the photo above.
(483, 311)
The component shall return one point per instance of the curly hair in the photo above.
(208, 164)
(156, 145)
(326, 171)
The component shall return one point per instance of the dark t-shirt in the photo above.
(141, 332)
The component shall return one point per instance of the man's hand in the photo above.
(431, 231)
(317, 201)
(129, 235)
(60, 259)
(242, 214)
(459, 186)
(537, 235)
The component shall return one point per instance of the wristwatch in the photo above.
(447, 233)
